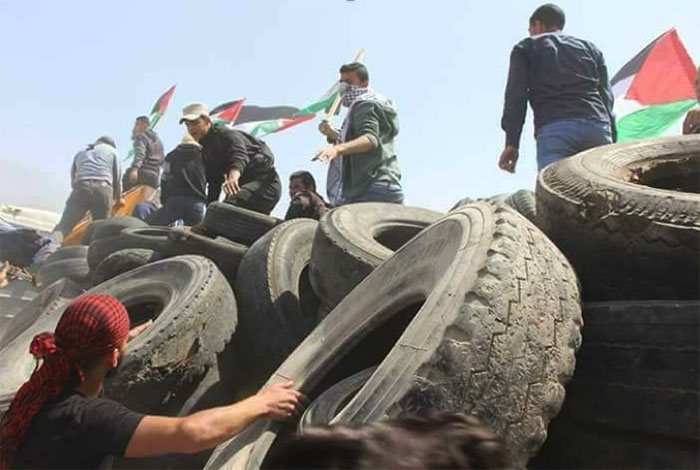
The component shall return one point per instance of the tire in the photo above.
(523, 201)
(627, 240)
(277, 306)
(58, 291)
(68, 252)
(151, 238)
(237, 224)
(123, 261)
(479, 313)
(75, 269)
(462, 202)
(196, 320)
(353, 240)
(115, 225)
(225, 254)
(633, 401)
(89, 231)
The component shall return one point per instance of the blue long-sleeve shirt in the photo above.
(562, 77)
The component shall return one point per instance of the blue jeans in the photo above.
(189, 209)
(563, 138)
(380, 192)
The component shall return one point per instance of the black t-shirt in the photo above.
(183, 174)
(75, 431)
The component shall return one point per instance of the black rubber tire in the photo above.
(277, 306)
(462, 202)
(123, 261)
(115, 225)
(633, 401)
(58, 291)
(331, 402)
(75, 269)
(353, 240)
(16, 364)
(523, 201)
(67, 252)
(495, 336)
(90, 230)
(626, 240)
(197, 319)
(151, 238)
(226, 254)
(237, 224)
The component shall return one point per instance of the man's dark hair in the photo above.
(431, 440)
(144, 120)
(306, 178)
(550, 15)
(361, 70)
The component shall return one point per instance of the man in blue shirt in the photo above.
(566, 82)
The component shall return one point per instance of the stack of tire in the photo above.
(628, 218)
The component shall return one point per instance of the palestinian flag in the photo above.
(227, 113)
(161, 106)
(655, 89)
(260, 121)
(157, 114)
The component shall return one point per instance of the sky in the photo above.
(71, 71)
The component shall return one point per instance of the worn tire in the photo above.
(479, 313)
(123, 261)
(196, 320)
(226, 254)
(150, 238)
(626, 240)
(58, 291)
(114, 226)
(237, 224)
(523, 201)
(75, 269)
(633, 401)
(67, 252)
(354, 239)
(277, 306)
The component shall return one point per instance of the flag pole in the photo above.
(336, 102)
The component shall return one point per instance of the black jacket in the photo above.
(225, 149)
(562, 76)
(183, 174)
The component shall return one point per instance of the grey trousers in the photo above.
(94, 196)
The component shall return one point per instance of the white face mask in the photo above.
(343, 88)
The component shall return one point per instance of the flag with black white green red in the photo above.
(260, 121)
(655, 89)
(161, 106)
(227, 113)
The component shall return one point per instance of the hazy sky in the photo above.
(71, 71)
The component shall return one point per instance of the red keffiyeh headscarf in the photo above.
(91, 326)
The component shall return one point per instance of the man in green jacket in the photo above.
(370, 170)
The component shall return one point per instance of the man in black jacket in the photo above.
(566, 82)
(148, 156)
(243, 165)
(182, 187)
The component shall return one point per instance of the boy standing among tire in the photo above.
(566, 82)
(370, 170)
(305, 202)
(244, 165)
(148, 156)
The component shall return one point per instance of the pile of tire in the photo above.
(627, 216)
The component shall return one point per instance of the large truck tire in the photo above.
(277, 307)
(354, 239)
(194, 316)
(113, 226)
(479, 314)
(237, 224)
(628, 218)
(226, 254)
(634, 399)
(150, 238)
(123, 261)
(523, 201)
(58, 292)
(67, 252)
(75, 269)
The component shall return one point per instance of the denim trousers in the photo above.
(188, 209)
(563, 138)
(380, 192)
